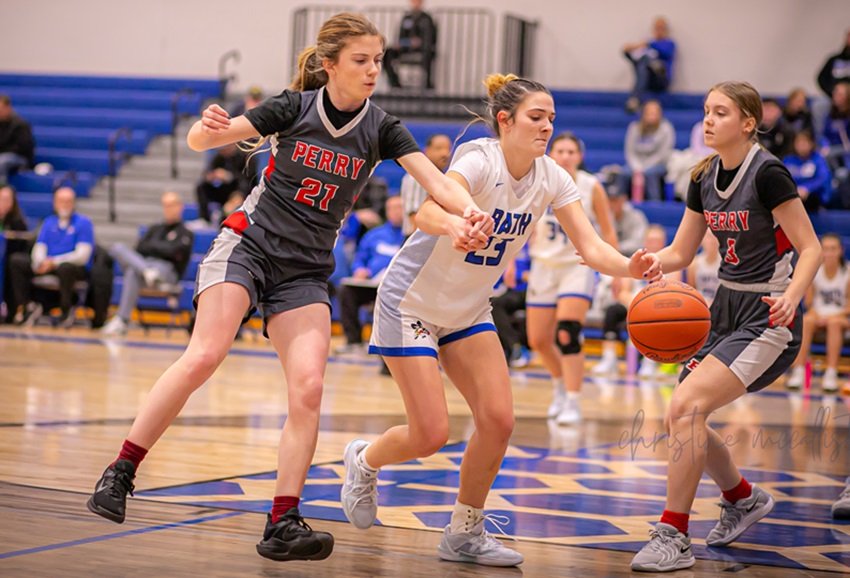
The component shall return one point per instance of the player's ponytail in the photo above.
(506, 93)
(310, 75)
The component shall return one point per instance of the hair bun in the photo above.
(496, 82)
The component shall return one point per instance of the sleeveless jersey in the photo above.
(831, 294)
(315, 174)
(550, 244)
(755, 253)
(430, 279)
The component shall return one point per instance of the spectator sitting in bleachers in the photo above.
(775, 133)
(810, 172)
(649, 143)
(509, 298)
(438, 149)
(161, 256)
(629, 222)
(417, 35)
(702, 272)
(653, 62)
(828, 310)
(17, 148)
(835, 70)
(796, 112)
(227, 174)
(374, 253)
(65, 248)
(615, 315)
(13, 226)
(680, 163)
(836, 131)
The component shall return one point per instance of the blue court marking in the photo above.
(367, 362)
(781, 535)
(219, 488)
(527, 525)
(812, 492)
(316, 473)
(840, 557)
(588, 504)
(732, 555)
(117, 535)
(756, 476)
(645, 486)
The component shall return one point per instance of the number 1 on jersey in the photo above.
(311, 188)
(731, 256)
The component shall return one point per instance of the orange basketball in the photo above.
(668, 321)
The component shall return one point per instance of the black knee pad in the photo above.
(573, 329)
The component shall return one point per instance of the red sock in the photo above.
(677, 520)
(739, 492)
(132, 453)
(281, 505)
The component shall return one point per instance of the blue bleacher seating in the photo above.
(73, 117)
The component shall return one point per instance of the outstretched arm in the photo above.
(598, 254)
(216, 129)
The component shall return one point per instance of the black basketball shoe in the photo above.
(110, 494)
(293, 539)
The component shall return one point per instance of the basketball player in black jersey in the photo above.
(749, 201)
(275, 254)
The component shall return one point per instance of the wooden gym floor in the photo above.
(580, 499)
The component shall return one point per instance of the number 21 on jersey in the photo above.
(311, 189)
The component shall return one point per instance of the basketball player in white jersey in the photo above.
(749, 201)
(560, 288)
(702, 274)
(433, 310)
(827, 298)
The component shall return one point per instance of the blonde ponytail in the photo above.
(311, 75)
(495, 82)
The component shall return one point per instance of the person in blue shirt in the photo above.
(65, 248)
(653, 62)
(374, 253)
(810, 172)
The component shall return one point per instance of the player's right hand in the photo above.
(214, 120)
(483, 222)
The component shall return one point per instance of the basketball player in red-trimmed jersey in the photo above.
(275, 253)
(749, 201)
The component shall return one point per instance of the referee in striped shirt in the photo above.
(438, 149)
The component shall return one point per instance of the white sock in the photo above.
(573, 396)
(361, 461)
(558, 385)
(464, 517)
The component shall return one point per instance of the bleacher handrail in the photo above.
(127, 133)
(223, 77)
(175, 116)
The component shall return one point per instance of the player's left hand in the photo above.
(782, 310)
(645, 266)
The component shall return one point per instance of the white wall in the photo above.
(775, 44)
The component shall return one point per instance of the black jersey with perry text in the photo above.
(317, 169)
(737, 205)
